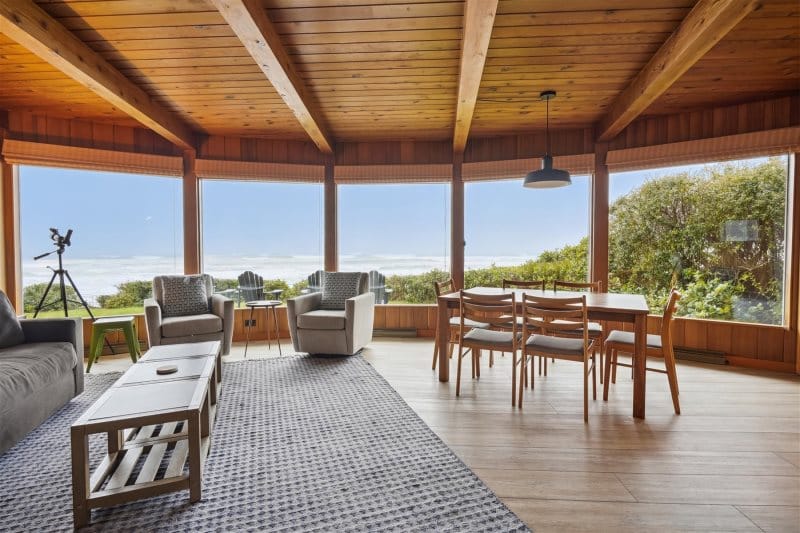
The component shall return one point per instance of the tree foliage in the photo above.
(129, 294)
(33, 294)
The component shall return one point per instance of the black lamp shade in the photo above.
(547, 177)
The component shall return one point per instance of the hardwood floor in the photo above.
(729, 462)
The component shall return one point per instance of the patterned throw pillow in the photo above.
(183, 295)
(338, 287)
(10, 329)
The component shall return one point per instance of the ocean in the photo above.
(98, 276)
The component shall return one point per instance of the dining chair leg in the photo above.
(454, 339)
(585, 389)
(594, 378)
(522, 374)
(672, 377)
(540, 365)
(608, 377)
(514, 380)
(545, 367)
(458, 370)
(614, 354)
(491, 358)
(531, 373)
(478, 363)
(600, 358)
(435, 353)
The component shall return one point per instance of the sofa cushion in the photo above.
(338, 287)
(10, 329)
(321, 319)
(28, 368)
(184, 295)
(183, 326)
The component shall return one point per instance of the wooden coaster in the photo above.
(166, 369)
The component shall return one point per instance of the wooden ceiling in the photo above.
(359, 70)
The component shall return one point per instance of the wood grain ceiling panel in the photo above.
(379, 71)
(29, 84)
(169, 48)
(587, 51)
(760, 57)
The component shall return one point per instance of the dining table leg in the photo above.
(639, 365)
(442, 336)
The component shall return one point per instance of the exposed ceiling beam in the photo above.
(26, 23)
(705, 25)
(478, 23)
(251, 24)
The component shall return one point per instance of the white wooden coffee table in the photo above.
(158, 427)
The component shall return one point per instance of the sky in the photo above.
(122, 215)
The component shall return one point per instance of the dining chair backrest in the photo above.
(666, 321)
(499, 311)
(523, 284)
(591, 286)
(447, 286)
(554, 316)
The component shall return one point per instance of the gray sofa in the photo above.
(214, 323)
(335, 321)
(39, 376)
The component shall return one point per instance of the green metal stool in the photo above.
(126, 324)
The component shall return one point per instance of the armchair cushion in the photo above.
(181, 326)
(11, 333)
(321, 319)
(339, 286)
(184, 295)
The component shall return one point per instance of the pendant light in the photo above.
(547, 177)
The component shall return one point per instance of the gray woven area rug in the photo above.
(300, 444)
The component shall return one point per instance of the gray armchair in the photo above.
(338, 320)
(180, 322)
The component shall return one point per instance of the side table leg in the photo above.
(266, 327)
(277, 329)
(80, 476)
(247, 331)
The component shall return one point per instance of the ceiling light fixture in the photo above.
(547, 177)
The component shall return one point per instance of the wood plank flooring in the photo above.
(729, 462)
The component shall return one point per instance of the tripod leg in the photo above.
(40, 305)
(83, 303)
(63, 291)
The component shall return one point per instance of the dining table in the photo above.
(600, 306)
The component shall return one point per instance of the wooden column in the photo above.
(10, 275)
(457, 223)
(331, 227)
(192, 242)
(598, 241)
(793, 265)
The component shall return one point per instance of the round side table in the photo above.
(267, 305)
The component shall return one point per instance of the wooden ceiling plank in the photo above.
(31, 27)
(250, 23)
(704, 26)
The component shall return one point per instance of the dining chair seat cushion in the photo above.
(489, 338)
(555, 345)
(595, 329)
(626, 337)
(468, 323)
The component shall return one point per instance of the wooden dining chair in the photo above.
(499, 312)
(657, 346)
(523, 284)
(448, 287)
(596, 329)
(548, 331)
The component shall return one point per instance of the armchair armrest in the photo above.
(359, 313)
(59, 330)
(152, 319)
(297, 306)
(222, 306)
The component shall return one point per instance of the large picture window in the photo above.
(127, 228)
(517, 233)
(400, 233)
(272, 229)
(716, 232)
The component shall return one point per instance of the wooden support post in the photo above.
(793, 265)
(192, 242)
(598, 243)
(331, 227)
(10, 275)
(457, 223)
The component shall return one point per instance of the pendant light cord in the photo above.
(547, 126)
